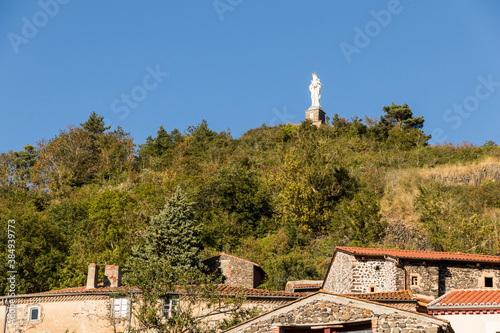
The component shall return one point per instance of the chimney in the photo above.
(112, 276)
(92, 276)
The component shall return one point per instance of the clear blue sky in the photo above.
(241, 63)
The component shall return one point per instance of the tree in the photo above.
(16, 167)
(95, 124)
(172, 237)
(231, 205)
(82, 155)
(156, 151)
(168, 263)
(399, 128)
(358, 220)
(401, 116)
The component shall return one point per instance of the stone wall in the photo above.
(379, 274)
(473, 177)
(458, 276)
(323, 312)
(339, 277)
(436, 279)
(349, 274)
(427, 277)
(261, 305)
(239, 272)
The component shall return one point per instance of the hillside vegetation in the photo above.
(281, 196)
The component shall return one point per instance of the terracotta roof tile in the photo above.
(222, 288)
(228, 255)
(419, 255)
(308, 285)
(467, 298)
(400, 295)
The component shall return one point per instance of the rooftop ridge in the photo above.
(467, 298)
(419, 254)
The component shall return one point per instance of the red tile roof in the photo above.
(467, 298)
(225, 289)
(228, 255)
(419, 255)
(400, 295)
(308, 285)
(221, 288)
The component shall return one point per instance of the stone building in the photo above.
(426, 274)
(324, 312)
(107, 307)
(236, 271)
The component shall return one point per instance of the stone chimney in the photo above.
(92, 276)
(112, 276)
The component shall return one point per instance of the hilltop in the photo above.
(282, 196)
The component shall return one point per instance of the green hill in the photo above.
(281, 196)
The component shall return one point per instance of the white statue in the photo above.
(315, 89)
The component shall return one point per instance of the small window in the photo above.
(372, 289)
(169, 306)
(34, 314)
(120, 307)
(488, 282)
(414, 280)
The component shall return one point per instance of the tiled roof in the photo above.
(91, 290)
(225, 289)
(308, 285)
(228, 255)
(222, 288)
(420, 255)
(303, 285)
(401, 295)
(467, 298)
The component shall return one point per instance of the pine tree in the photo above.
(171, 241)
(95, 124)
(401, 116)
(167, 265)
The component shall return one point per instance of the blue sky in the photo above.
(241, 63)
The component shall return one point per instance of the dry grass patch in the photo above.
(401, 186)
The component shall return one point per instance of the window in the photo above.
(169, 306)
(414, 280)
(488, 282)
(120, 307)
(372, 289)
(34, 314)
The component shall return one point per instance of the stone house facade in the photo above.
(236, 271)
(426, 274)
(324, 312)
(107, 307)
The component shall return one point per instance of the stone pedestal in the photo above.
(316, 115)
